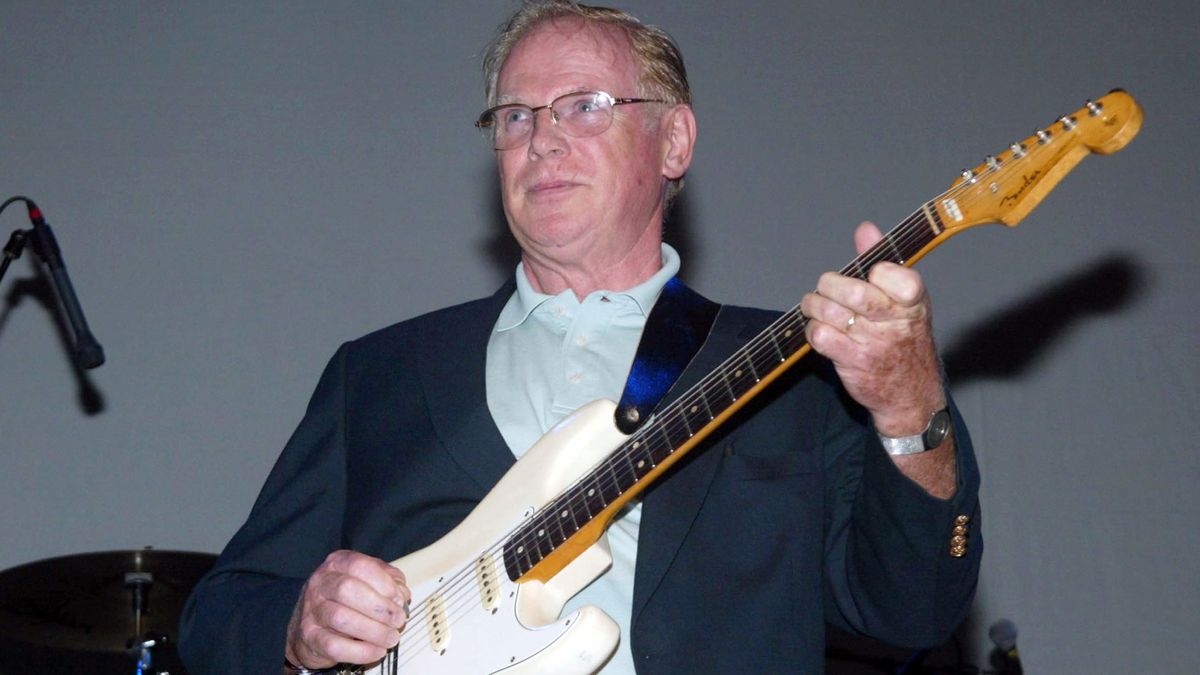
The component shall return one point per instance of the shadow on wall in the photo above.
(1010, 342)
(90, 399)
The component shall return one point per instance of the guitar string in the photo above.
(915, 222)
(909, 230)
(906, 236)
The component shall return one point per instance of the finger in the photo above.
(820, 308)
(859, 297)
(383, 579)
(902, 285)
(361, 597)
(866, 235)
(348, 622)
(403, 592)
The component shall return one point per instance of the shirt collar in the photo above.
(525, 299)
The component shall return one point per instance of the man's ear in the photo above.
(678, 126)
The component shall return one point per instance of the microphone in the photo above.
(88, 352)
(1005, 658)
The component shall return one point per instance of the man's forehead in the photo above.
(568, 45)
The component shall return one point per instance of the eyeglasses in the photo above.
(579, 114)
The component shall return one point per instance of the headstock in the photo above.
(1007, 186)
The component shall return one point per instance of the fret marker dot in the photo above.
(695, 408)
(641, 463)
(563, 514)
(787, 333)
(738, 373)
(541, 533)
(636, 445)
(592, 492)
(520, 549)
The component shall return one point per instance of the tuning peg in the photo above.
(1068, 122)
(992, 163)
(968, 175)
(1094, 109)
(1043, 136)
(1018, 150)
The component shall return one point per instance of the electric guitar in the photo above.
(487, 596)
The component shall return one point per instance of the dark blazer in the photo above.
(788, 516)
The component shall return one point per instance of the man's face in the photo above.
(575, 200)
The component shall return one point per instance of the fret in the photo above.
(540, 540)
(775, 343)
(855, 269)
(686, 426)
(792, 332)
(916, 234)
(931, 218)
(696, 413)
(703, 396)
(563, 519)
(676, 434)
(937, 218)
(610, 490)
(567, 516)
(593, 498)
(641, 459)
(733, 396)
(627, 476)
(659, 450)
(741, 376)
(899, 257)
(764, 362)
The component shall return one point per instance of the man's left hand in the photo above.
(879, 335)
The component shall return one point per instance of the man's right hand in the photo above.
(351, 610)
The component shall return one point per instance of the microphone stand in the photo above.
(88, 352)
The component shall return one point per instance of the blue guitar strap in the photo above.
(677, 327)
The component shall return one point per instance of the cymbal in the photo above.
(84, 601)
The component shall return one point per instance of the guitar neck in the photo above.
(1003, 189)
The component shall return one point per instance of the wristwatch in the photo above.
(935, 432)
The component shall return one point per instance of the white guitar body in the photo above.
(468, 620)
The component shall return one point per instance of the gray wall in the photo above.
(239, 187)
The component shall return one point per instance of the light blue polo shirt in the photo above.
(549, 355)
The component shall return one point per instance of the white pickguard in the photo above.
(458, 627)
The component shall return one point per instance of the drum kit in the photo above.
(97, 613)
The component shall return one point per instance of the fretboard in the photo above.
(661, 437)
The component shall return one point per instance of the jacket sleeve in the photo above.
(890, 569)
(235, 621)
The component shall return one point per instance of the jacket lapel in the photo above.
(453, 378)
(671, 506)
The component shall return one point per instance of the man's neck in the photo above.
(585, 277)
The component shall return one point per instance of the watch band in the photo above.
(932, 436)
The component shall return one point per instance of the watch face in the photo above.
(939, 426)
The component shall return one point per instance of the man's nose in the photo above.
(547, 138)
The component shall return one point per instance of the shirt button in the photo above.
(575, 378)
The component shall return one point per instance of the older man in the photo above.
(844, 495)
